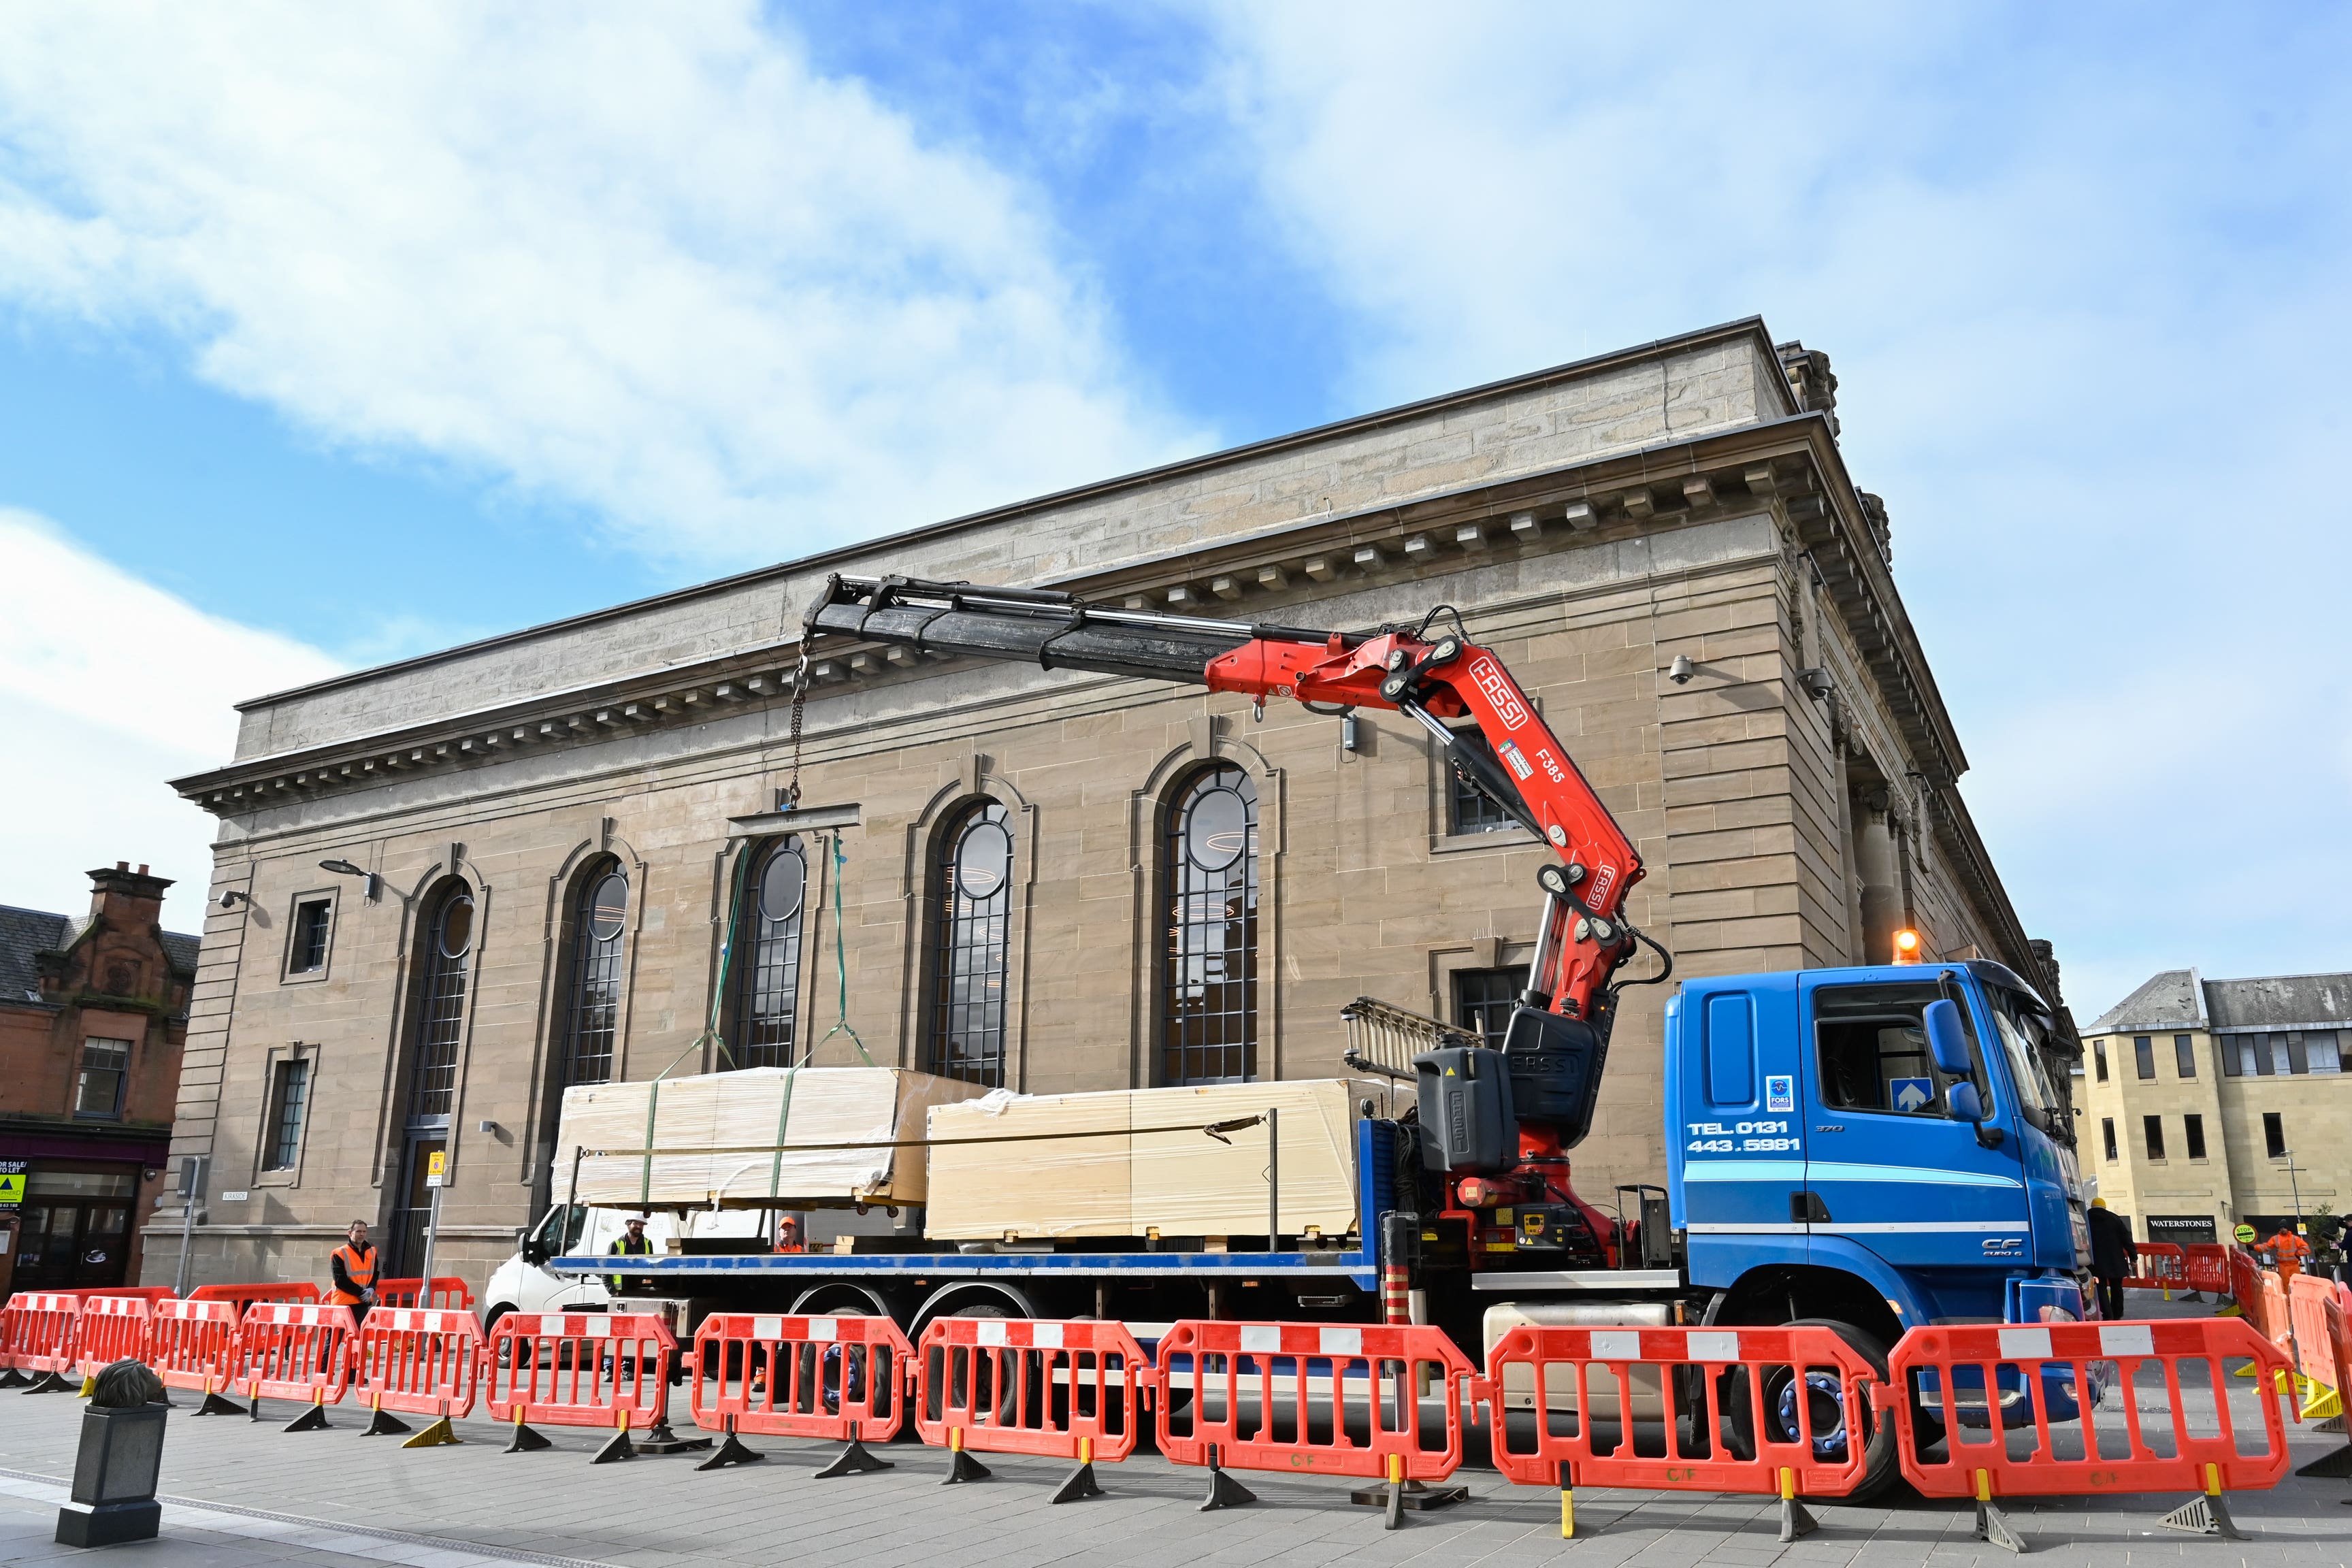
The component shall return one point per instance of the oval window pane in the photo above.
(608, 908)
(783, 882)
(1216, 829)
(456, 927)
(983, 859)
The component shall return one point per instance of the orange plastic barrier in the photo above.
(148, 1293)
(2315, 1355)
(2273, 1322)
(193, 1346)
(2335, 1326)
(42, 1339)
(1062, 1390)
(419, 1360)
(243, 1296)
(112, 1328)
(1695, 1407)
(1369, 1375)
(799, 1376)
(2207, 1266)
(2162, 1266)
(448, 1294)
(2106, 1450)
(2245, 1281)
(608, 1370)
(288, 1350)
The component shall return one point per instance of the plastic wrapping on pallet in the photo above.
(753, 1112)
(1126, 1162)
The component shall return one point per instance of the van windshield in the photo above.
(559, 1230)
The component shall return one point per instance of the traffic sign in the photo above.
(435, 1163)
(1912, 1093)
(2245, 1235)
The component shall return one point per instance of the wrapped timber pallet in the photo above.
(1142, 1163)
(715, 1138)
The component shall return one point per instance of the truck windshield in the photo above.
(2020, 1041)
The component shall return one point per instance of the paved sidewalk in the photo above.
(343, 1498)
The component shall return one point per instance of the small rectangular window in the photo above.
(2281, 1063)
(2099, 1057)
(2144, 1055)
(1873, 1049)
(2325, 1051)
(1483, 1000)
(2232, 1052)
(2107, 1135)
(2297, 1062)
(1467, 810)
(2184, 1057)
(307, 949)
(2152, 1129)
(2274, 1135)
(98, 1088)
(290, 1089)
(2195, 1129)
(1731, 1050)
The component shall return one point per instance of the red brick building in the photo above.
(93, 1015)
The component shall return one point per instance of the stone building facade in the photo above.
(93, 1014)
(2205, 1104)
(998, 868)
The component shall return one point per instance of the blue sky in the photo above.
(327, 342)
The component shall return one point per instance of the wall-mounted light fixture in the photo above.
(232, 897)
(345, 868)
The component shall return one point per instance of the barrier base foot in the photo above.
(1993, 1525)
(1079, 1484)
(1797, 1520)
(384, 1424)
(731, 1452)
(2333, 1466)
(89, 1385)
(11, 1378)
(526, 1441)
(2207, 1515)
(616, 1448)
(662, 1441)
(215, 1404)
(47, 1383)
(311, 1420)
(854, 1461)
(2333, 1423)
(1225, 1492)
(963, 1467)
(1417, 1495)
(440, 1434)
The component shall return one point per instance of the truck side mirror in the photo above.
(1948, 1043)
(1963, 1101)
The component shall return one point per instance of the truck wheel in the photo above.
(1784, 1388)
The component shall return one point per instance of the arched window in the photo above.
(600, 918)
(441, 1008)
(972, 903)
(767, 956)
(1209, 972)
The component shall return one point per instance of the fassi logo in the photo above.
(1509, 706)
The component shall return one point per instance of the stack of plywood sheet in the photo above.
(1132, 1161)
(719, 1131)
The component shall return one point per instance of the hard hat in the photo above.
(2098, 1203)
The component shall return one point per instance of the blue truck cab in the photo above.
(1824, 1165)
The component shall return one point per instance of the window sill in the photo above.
(303, 977)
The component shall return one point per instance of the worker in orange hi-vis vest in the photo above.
(2291, 1250)
(354, 1264)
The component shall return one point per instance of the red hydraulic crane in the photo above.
(1557, 1042)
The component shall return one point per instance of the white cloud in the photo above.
(107, 688)
(641, 259)
(2087, 294)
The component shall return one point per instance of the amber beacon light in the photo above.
(1906, 946)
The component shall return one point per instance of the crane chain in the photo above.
(799, 708)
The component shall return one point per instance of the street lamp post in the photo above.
(2296, 1187)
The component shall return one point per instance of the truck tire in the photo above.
(1880, 1469)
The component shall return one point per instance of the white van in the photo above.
(523, 1284)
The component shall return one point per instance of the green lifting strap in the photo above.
(784, 1116)
(841, 962)
(646, 1183)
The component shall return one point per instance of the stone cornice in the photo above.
(1791, 462)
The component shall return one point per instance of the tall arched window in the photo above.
(972, 919)
(600, 918)
(768, 955)
(441, 1009)
(1209, 974)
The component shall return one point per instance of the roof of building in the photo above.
(2171, 1001)
(24, 932)
(2281, 1002)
